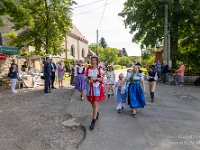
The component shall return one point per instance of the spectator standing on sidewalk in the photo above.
(94, 88)
(165, 72)
(79, 79)
(159, 69)
(47, 74)
(180, 74)
(53, 73)
(152, 77)
(135, 90)
(61, 73)
(72, 74)
(13, 77)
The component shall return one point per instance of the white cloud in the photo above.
(111, 27)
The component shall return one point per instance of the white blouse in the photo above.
(123, 88)
(110, 74)
(80, 70)
(94, 73)
(128, 76)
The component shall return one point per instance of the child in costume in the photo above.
(110, 80)
(121, 93)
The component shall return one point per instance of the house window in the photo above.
(72, 51)
(83, 53)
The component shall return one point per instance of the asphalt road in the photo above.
(170, 123)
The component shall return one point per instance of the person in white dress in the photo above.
(121, 93)
(110, 74)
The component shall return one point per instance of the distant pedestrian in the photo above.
(13, 77)
(110, 74)
(61, 73)
(47, 74)
(152, 77)
(135, 90)
(159, 69)
(79, 79)
(165, 72)
(180, 74)
(94, 88)
(53, 73)
(72, 74)
(121, 93)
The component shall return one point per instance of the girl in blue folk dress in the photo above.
(121, 93)
(135, 90)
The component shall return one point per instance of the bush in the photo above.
(118, 67)
(144, 71)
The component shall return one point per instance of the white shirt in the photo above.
(123, 88)
(94, 73)
(80, 70)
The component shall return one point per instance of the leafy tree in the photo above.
(14, 11)
(50, 21)
(108, 54)
(146, 19)
(103, 43)
(124, 52)
(93, 47)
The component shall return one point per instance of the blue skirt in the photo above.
(136, 96)
(121, 98)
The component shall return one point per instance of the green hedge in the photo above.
(118, 67)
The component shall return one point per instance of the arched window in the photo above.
(72, 51)
(83, 53)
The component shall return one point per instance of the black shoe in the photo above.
(112, 94)
(92, 124)
(48, 92)
(53, 88)
(122, 107)
(97, 116)
(119, 110)
(108, 95)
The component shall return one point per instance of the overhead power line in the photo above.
(88, 4)
(93, 9)
(102, 13)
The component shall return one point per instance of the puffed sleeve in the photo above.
(101, 72)
(156, 77)
(75, 71)
(142, 77)
(127, 77)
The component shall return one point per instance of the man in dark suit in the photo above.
(53, 73)
(47, 74)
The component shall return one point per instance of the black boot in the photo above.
(92, 124)
(97, 116)
(152, 96)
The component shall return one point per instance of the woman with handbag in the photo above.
(94, 88)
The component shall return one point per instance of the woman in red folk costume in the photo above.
(79, 78)
(94, 88)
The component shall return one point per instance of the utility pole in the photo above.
(165, 34)
(1, 39)
(168, 51)
(97, 42)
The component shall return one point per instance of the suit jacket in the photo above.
(47, 69)
(54, 67)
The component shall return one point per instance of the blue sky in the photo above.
(87, 19)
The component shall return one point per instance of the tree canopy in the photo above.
(145, 20)
(49, 23)
(103, 43)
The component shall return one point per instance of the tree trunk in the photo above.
(174, 33)
(47, 20)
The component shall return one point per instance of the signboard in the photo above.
(2, 57)
(8, 50)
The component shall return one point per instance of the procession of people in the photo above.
(98, 79)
